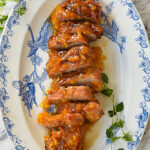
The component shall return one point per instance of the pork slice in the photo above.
(46, 120)
(93, 111)
(91, 30)
(74, 10)
(89, 77)
(76, 58)
(71, 93)
(66, 41)
(65, 139)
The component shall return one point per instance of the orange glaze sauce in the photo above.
(99, 57)
(65, 139)
(54, 59)
(65, 135)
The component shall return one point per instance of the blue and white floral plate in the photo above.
(23, 78)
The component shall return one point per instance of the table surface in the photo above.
(143, 6)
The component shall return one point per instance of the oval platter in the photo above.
(23, 78)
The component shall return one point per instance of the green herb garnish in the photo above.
(115, 139)
(127, 137)
(111, 113)
(118, 123)
(120, 107)
(109, 131)
(1, 29)
(21, 11)
(2, 3)
(14, 0)
(108, 92)
(3, 19)
(105, 78)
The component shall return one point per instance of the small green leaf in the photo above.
(21, 11)
(127, 137)
(109, 133)
(2, 3)
(1, 29)
(115, 139)
(108, 92)
(109, 130)
(120, 107)
(121, 123)
(120, 148)
(3, 18)
(111, 113)
(105, 78)
(113, 126)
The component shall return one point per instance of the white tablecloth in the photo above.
(143, 7)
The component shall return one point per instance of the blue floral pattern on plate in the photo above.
(142, 118)
(111, 29)
(131, 9)
(4, 46)
(9, 126)
(27, 86)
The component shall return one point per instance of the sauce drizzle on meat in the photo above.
(70, 106)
